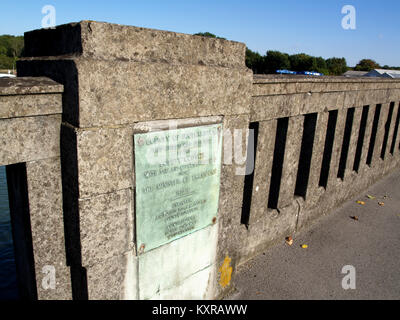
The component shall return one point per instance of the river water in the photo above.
(8, 282)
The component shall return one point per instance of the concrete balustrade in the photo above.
(342, 139)
(317, 143)
(30, 120)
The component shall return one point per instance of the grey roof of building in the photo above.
(385, 73)
(352, 73)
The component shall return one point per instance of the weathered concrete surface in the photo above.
(191, 90)
(265, 85)
(231, 231)
(370, 244)
(118, 42)
(30, 121)
(108, 230)
(290, 162)
(116, 74)
(313, 189)
(30, 116)
(117, 80)
(122, 80)
(62, 71)
(137, 91)
(28, 139)
(45, 205)
(262, 170)
(105, 160)
(107, 280)
(19, 106)
(28, 86)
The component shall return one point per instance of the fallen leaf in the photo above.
(382, 204)
(304, 246)
(361, 202)
(354, 218)
(370, 197)
(289, 241)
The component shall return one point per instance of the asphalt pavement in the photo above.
(364, 237)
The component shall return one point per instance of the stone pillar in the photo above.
(313, 191)
(30, 120)
(333, 180)
(262, 172)
(291, 161)
(116, 79)
(355, 131)
(367, 138)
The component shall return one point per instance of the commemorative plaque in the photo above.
(177, 174)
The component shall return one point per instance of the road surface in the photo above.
(371, 245)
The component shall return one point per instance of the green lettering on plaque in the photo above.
(177, 174)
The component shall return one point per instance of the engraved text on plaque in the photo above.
(177, 174)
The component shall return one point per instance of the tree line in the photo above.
(368, 65)
(11, 48)
(276, 60)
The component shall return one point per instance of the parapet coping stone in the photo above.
(100, 40)
(29, 85)
(276, 78)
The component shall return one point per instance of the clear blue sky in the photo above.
(292, 26)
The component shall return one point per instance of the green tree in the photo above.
(276, 60)
(367, 65)
(16, 47)
(208, 35)
(336, 66)
(254, 61)
(13, 45)
(3, 51)
(6, 62)
(302, 62)
(320, 66)
(11, 48)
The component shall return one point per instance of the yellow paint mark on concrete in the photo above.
(226, 272)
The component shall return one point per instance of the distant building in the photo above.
(355, 74)
(383, 73)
